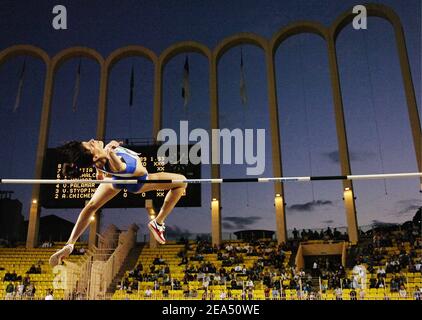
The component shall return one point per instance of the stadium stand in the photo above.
(25, 273)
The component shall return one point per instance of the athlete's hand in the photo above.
(113, 144)
(99, 175)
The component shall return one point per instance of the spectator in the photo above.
(380, 283)
(26, 280)
(315, 272)
(418, 266)
(275, 293)
(338, 293)
(13, 276)
(223, 295)
(295, 234)
(184, 261)
(267, 293)
(7, 276)
(372, 282)
(30, 291)
(211, 295)
(417, 294)
(402, 292)
(250, 294)
(49, 295)
(158, 261)
(394, 285)
(20, 290)
(148, 292)
(10, 290)
(32, 270)
(249, 285)
(229, 294)
(46, 244)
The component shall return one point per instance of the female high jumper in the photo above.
(117, 163)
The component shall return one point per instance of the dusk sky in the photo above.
(377, 121)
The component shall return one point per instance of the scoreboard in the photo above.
(75, 195)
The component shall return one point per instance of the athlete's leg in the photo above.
(176, 191)
(102, 195)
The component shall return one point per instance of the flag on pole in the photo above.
(185, 88)
(20, 87)
(76, 89)
(132, 83)
(243, 96)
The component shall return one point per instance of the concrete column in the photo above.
(343, 148)
(280, 214)
(409, 91)
(215, 222)
(352, 223)
(94, 229)
(280, 218)
(158, 99)
(35, 210)
(215, 155)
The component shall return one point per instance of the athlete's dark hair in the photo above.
(74, 156)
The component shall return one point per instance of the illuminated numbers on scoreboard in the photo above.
(75, 190)
(159, 163)
(57, 190)
(160, 193)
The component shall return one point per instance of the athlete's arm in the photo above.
(115, 162)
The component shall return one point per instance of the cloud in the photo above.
(175, 231)
(411, 208)
(328, 221)
(228, 226)
(408, 206)
(231, 223)
(353, 156)
(310, 206)
(382, 223)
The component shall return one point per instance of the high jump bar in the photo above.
(223, 180)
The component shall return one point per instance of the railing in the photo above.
(74, 277)
(78, 279)
(103, 272)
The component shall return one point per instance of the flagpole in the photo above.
(20, 86)
(185, 87)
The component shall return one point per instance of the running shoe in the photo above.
(157, 231)
(64, 252)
